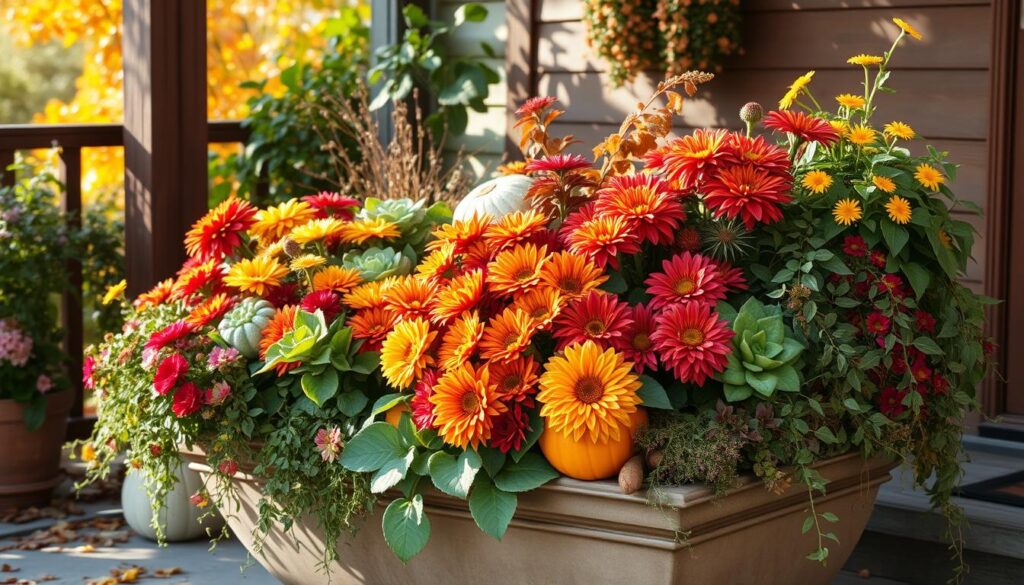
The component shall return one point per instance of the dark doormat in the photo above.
(1005, 489)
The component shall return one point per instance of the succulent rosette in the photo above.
(378, 263)
(765, 355)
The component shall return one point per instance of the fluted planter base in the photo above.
(30, 460)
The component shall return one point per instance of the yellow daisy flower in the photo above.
(358, 232)
(817, 182)
(883, 183)
(899, 130)
(929, 177)
(849, 100)
(898, 209)
(840, 126)
(256, 275)
(274, 222)
(317, 229)
(861, 135)
(795, 88)
(307, 262)
(907, 28)
(865, 60)
(115, 292)
(847, 211)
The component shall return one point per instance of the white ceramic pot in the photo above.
(179, 518)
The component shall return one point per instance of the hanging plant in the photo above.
(625, 34)
(698, 35)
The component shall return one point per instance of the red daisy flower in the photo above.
(168, 373)
(559, 163)
(920, 370)
(328, 204)
(600, 317)
(877, 324)
(635, 342)
(422, 408)
(940, 385)
(220, 231)
(602, 239)
(688, 160)
(692, 342)
(741, 149)
(576, 219)
(168, 335)
(535, 105)
(732, 277)
(188, 399)
(509, 429)
(684, 278)
(804, 127)
(925, 321)
(747, 192)
(878, 259)
(688, 239)
(326, 300)
(890, 402)
(646, 203)
(855, 246)
(893, 284)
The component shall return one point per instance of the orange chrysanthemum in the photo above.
(336, 278)
(542, 304)
(439, 265)
(686, 161)
(361, 231)
(465, 405)
(209, 311)
(368, 295)
(218, 232)
(155, 296)
(405, 352)
(463, 233)
(603, 238)
(410, 297)
(571, 274)
(514, 228)
(588, 393)
(280, 324)
(460, 341)
(273, 223)
(372, 326)
(460, 295)
(507, 335)
(204, 276)
(516, 380)
(646, 203)
(517, 270)
(256, 275)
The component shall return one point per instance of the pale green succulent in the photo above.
(765, 355)
(377, 263)
(413, 218)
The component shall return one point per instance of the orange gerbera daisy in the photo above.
(462, 233)
(317, 230)
(337, 278)
(542, 304)
(155, 296)
(465, 405)
(571, 274)
(462, 294)
(360, 231)
(514, 228)
(274, 222)
(460, 341)
(372, 325)
(209, 310)
(410, 297)
(603, 238)
(686, 161)
(516, 379)
(218, 232)
(507, 335)
(517, 270)
(205, 276)
(439, 265)
(405, 352)
(588, 393)
(280, 324)
(256, 275)
(646, 203)
(368, 294)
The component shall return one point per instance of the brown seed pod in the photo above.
(631, 476)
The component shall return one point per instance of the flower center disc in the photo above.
(589, 390)
(692, 337)
(525, 273)
(570, 286)
(686, 286)
(595, 327)
(641, 342)
(470, 403)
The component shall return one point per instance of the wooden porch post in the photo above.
(165, 133)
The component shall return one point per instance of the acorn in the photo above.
(631, 476)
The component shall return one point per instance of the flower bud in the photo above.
(751, 113)
(292, 248)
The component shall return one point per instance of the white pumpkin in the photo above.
(497, 198)
(179, 518)
(243, 325)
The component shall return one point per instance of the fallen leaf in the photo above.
(6, 568)
(164, 573)
(86, 549)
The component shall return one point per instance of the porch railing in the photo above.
(70, 139)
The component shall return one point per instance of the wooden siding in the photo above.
(942, 83)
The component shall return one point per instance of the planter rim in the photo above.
(60, 401)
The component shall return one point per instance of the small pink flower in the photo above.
(228, 467)
(220, 357)
(329, 444)
(199, 500)
(217, 394)
(88, 368)
(44, 384)
(149, 358)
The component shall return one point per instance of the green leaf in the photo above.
(387, 402)
(320, 387)
(351, 403)
(653, 394)
(392, 472)
(615, 283)
(928, 346)
(492, 508)
(406, 527)
(493, 459)
(454, 476)
(734, 393)
(918, 276)
(896, 237)
(470, 12)
(366, 362)
(825, 435)
(530, 472)
(372, 448)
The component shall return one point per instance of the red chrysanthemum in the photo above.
(892, 284)
(602, 239)
(220, 231)
(940, 385)
(509, 429)
(732, 277)
(283, 295)
(689, 160)
(877, 324)
(210, 310)
(328, 204)
(747, 192)
(878, 259)
(805, 127)
(198, 276)
(558, 163)
(646, 203)
(635, 343)
(741, 149)
(685, 278)
(422, 408)
(599, 317)
(327, 301)
(855, 246)
(168, 335)
(535, 105)
(890, 402)
(920, 370)
(925, 321)
(188, 399)
(692, 342)
(689, 239)
(168, 373)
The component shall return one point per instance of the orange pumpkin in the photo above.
(394, 414)
(584, 459)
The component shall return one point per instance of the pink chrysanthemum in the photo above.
(805, 127)
(685, 278)
(635, 343)
(692, 342)
(559, 163)
(329, 204)
(422, 408)
(168, 335)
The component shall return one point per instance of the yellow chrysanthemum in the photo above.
(840, 126)
(795, 88)
(358, 232)
(516, 167)
(460, 295)
(465, 406)
(929, 177)
(907, 28)
(256, 275)
(865, 60)
(317, 230)
(404, 353)
(898, 209)
(274, 222)
(514, 228)
(861, 135)
(588, 393)
(817, 182)
(883, 183)
(847, 211)
(899, 130)
(336, 278)
(368, 295)
(849, 100)
(542, 305)
(460, 341)
(307, 262)
(440, 265)
(115, 292)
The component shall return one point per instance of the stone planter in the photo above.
(180, 520)
(588, 532)
(30, 460)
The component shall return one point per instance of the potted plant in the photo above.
(768, 319)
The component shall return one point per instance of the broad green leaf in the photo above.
(372, 448)
(353, 402)
(320, 387)
(492, 508)
(493, 459)
(387, 402)
(452, 475)
(928, 346)
(365, 362)
(406, 527)
(392, 472)
(470, 12)
(653, 394)
(530, 472)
